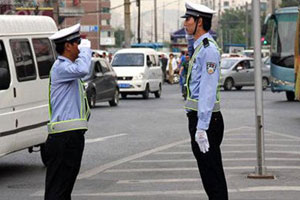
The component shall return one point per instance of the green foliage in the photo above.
(233, 26)
(288, 3)
(120, 37)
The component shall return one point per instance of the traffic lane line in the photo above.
(195, 169)
(227, 152)
(101, 139)
(180, 192)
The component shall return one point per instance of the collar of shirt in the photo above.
(64, 58)
(199, 40)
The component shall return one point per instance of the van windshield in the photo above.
(128, 59)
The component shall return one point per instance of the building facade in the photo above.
(93, 15)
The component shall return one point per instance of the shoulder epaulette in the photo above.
(205, 42)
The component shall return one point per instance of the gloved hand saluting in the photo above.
(202, 140)
(84, 43)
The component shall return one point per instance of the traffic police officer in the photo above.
(206, 125)
(68, 112)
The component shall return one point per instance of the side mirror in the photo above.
(149, 63)
(4, 79)
(99, 74)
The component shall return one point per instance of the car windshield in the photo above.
(227, 63)
(128, 59)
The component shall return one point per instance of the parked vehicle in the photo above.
(238, 72)
(26, 57)
(101, 83)
(138, 71)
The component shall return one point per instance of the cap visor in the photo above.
(185, 16)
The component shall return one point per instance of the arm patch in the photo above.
(211, 67)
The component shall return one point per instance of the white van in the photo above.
(26, 57)
(138, 71)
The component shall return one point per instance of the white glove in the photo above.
(84, 43)
(202, 140)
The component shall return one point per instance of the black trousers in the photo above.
(210, 164)
(63, 154)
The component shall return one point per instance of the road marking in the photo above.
(159, 181)
(279, 134)
(250, 145)
(224, 160)
(191, 169)
(254, 139)
(100, 139)
(225, 152)
(179, 192)
(101, 168)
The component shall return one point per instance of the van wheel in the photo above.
(265, 83)
(115, 100)
(238, 87)
(290, 96)
(123, 95)
(158, 92)
(146, 92)
(228, 84)
(43, 154)
(92, 99)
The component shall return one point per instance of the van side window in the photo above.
(23, 59)
(44, 56)
(4, 69)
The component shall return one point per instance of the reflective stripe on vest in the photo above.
(192, 104)
(73, 124)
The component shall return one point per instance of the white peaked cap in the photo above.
(197, 10)
(66, 34)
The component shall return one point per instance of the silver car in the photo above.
(239, 71)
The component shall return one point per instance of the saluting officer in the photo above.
(68, 112)
(206, 125)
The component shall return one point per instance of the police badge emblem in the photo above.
(210, 67)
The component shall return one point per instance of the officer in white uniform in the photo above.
(206, 125)
(68, 112)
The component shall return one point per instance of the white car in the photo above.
(138, 71)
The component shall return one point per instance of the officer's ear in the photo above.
(200, 22)
(68, 46)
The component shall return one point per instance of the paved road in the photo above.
(140, 150)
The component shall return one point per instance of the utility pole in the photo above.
(246, 28)
(260, 170)
(55, 11)
(127, 23)
(178, 5)
(220, 28)
(138, 4)
(98, 33)
(155, 20)
(163, 28)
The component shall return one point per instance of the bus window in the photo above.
(23, 59)
(4, 69)
(44, 56)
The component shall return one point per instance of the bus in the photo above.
(283, 33)
(297, 60)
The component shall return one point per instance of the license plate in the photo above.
(124, 85)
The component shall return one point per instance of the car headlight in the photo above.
(139, 77)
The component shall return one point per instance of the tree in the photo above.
(233, 26)
(120, 36)
(287, 3)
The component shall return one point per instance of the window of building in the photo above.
(23, 59)
(4, 69)
(44, 56)
(226, 3)
(105, 10)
